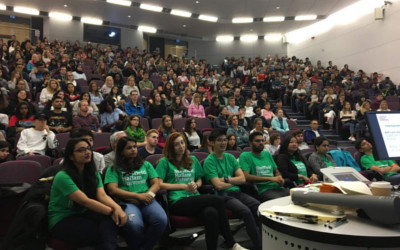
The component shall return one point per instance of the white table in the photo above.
(357, 233)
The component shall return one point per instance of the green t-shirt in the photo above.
(136, 182)
(219, 168)
(60, 206)
(138, 134)
(170, 174)
(327, 162)
(368, 161)
(260, 165)
(301, 168)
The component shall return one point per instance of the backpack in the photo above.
(29, 229)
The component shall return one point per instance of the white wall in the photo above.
(73, 30)
(214, 52)
(368, 44)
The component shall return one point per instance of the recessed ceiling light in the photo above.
(120, 2)
(25, 10)
(250, 29)
(65, 5)
(208, 18)
(150, 7)
(274, 19)
(60, 16)
(242, 20)
(184, 26)
(277, 7)
(129, 16)
(305, 18)
(197, 2)
(224, 38)
(181, 13)
(148, 29)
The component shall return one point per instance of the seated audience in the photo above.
(223, 172)
(94, 92)
(134, 107)
(135, 182)
(157, 109)
(259, 167)
(5, 152)
(134, 129)
(80, 212)
(388, 168)
(242, 136)
(279, 122)
(348, 118)
(176, 109)
(321, 158)
(181, 175)
(300, 139)
(151, 147)
(196, 109)
(111, 117)
(259, 128)
(38, 139)
(292, 164)
(274, 144)
(192, 135)
(58, 120)
(86, 120)
(312, 132)
(165, 129)
(109, 158)
(93, 109)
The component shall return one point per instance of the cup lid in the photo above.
(381, 184)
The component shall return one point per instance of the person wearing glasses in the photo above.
(223, 171)
(242, 136)
(80, 212)
(259, 167)
(312, 132)
(321, 158)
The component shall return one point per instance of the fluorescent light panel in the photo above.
(120, 2)
(273, 37)
(242, 20)
(181, 13)
(305, 18)
(274, 19)
(151, 7)
(25, 10)
(147, 29)
(90, 20)
(249, 38)
(224, 38)
(208, 18)
(60, 16)
(3, 7)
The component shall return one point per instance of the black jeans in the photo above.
(245, 207)
(87, 229)
(212, 210)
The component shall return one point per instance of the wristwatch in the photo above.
(226, 179)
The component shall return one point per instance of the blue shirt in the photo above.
(131, 109)
(96, 99)
(108, 118)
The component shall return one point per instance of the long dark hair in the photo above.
(121, 161)
(187, 128)
(284, 147)
(18, 113)
(88, 182)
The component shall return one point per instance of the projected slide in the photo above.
(389, 125)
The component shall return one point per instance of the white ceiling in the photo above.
(225, 10)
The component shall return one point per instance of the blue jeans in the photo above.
(352, 126)
(394, 179)
(139, 236)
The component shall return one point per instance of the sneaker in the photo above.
(350, 138)
(353, 139)
(238, 247)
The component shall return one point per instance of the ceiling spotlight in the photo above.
(65, 5)
(277, 7)
(197, 2)
(129, 16)
(184, 26)
(112, 34)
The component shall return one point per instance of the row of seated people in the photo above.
(135, 182)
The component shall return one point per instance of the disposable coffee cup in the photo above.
(381, 188)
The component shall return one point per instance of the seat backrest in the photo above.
(234, 153)
(306, 151)
(200, 155)
(203, 123)
(155, 123)
(179, 123)
(247, 149)
(352, 150)
(153, 159)
(292, 125)
(145, 93)
(99, 83)
(43, 160)
(57, 161)
(144, 123)
(63, 139)
(84, 88)
(101, 139)
(81, 82)
(20, 171)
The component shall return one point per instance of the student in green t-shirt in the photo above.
(80, 212)
(389, 169)
(259, 167)
(135, 130)
(136, 182)
(292, 164)
(320, 158)
(223, 172)
(181, 175)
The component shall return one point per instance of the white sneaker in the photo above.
(350, 138)
(238, 247)
(353, 139)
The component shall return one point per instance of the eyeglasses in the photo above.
(83, 149)
(259, 140)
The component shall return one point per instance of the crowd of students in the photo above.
(145, 85)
